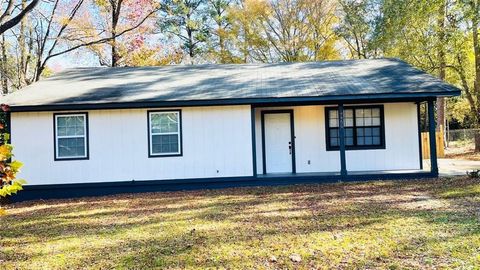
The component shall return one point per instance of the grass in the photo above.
(375, 225)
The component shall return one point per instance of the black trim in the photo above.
(254, 140)
(8, 128)
(341, 135)
(292, 137)
(356, 147)
(110, 188)
(273, 101)
(181, 134)
(264, 166)
(420, 154)
(87, 134)
(432, 134)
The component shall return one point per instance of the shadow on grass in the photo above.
(243, 227)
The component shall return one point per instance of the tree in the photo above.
(9, 18)
(286, 30)
(440, 37)
(467, 55)
(442, 62)
(187, 21)
(247, 29)
(3, 65)
(221, 43)
(66, 27)
(357, 28)
(321, 20)
(120, 24)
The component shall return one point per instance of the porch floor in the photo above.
(333, 174)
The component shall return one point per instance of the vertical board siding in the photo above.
(216, 143)
(401, 142)
(309, 140)
(401, 138)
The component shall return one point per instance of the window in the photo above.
(71, 136)
(165, 138)
(364, 128)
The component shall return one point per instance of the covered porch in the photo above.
(354, 140)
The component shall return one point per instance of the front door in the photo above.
(278, 147)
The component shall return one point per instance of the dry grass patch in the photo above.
(464, 150)
(383, 224)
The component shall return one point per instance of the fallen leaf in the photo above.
(295, 258)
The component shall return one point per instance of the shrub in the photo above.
(9, 168)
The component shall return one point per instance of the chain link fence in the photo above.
(462, 135)
(461, 140)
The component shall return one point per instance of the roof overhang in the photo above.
(279, 101)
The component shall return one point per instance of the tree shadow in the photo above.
(185, 229)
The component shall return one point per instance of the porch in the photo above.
(340, 141)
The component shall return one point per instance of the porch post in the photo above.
(432, 135)
(254, 140)
(419, 122)
(341, 134)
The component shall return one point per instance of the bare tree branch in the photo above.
(103, 40)
(15, 20)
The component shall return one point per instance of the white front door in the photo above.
(278, 143)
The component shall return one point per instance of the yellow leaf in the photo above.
(5, 151)
(16, 165)
(21, 181)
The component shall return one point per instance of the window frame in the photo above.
(85, 136)
(180, 134)
(355, 146)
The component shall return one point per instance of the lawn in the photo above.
(384, 224)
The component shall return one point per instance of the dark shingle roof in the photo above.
(243, 83)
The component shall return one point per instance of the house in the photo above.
(94, 131)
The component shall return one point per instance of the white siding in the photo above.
(216, 143)
(309, 142)
(401, 142)
(401, 137)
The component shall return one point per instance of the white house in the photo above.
(105, 130)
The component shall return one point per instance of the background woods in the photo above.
(441, 37)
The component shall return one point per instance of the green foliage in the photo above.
(285, 30)
(9, 184)
(459, 111)
(221, 44)
(356, 28)
(187, 21)
(438, 37)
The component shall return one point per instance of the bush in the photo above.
(9, 184)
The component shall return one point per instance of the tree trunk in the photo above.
(3, 66)
(116, 8)
(442, 64)
(23, 52)
(191, 46)
(441, 113)
(476, 82)
(223, 54)
(477, 142)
